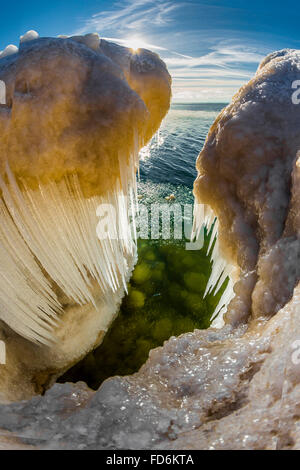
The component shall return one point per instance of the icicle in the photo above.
(209, 217)
(221, 308)
(214, 235)
(198, 221)
(203, 215)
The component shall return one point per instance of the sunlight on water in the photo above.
(154, 144)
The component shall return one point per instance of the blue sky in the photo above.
(211, 47)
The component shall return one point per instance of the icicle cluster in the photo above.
(221, 269)
(48, 242)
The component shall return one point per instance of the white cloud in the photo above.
(219, 57)
(205, 94)
(131, 15)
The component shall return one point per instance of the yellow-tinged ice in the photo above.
(77, 112)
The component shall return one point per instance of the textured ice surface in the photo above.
(76, 105)
(213, 389)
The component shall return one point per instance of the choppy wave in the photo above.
(171, 155)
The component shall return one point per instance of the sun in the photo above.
(135, 43)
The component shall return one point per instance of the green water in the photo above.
(165, 298)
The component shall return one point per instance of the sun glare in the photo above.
(135, 43)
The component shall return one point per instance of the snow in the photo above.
(9, 50)
(29, 36)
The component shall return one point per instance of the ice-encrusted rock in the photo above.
(75, 114)
(245, 173)
(74, 104)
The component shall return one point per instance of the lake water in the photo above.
(171, 155)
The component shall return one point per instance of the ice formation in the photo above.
(244, 176)
(77, 112)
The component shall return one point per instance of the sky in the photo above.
(211, 47)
